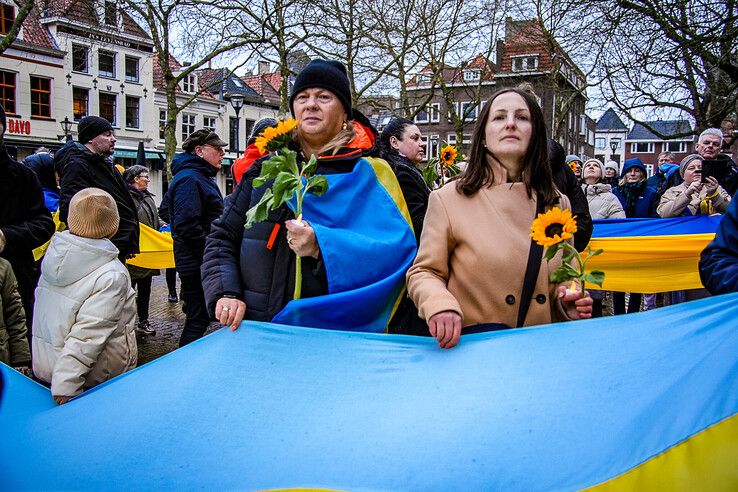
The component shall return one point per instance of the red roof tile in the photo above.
(33, 32)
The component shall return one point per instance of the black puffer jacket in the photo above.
(80, 168)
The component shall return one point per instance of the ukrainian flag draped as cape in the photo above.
(367, 244)
(647, 401)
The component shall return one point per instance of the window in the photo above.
(208, 123)
(248, 127)
(7, 91)
(468, 111)
(80, 99)
(7, 17)
(641, 148)
(109, 107)
(80, 55)
(188, 125)
(40, 97)
(582, 125)
(524, 63)
(600, 143)
(676, 147)
(422, 116)
(133, 105)
(467, 139)
(424, 78)
(162, 123)
(111, 14)
(435, 112)
(106, 64)
(472, 75)
(425, 144)
(188, 83)
(433, 149)
(131, 69)
(233, 134)
(451, 138)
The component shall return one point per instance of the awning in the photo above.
(132, 154)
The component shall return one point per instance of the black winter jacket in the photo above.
(192, 202)
(24, 221)
(79, 168)
(568, 184)
(414, 189)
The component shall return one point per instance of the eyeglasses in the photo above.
(144, 176)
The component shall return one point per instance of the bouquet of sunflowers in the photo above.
(290, 178)
(439, 168)
(551, 230)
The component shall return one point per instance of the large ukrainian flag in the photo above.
(639, 402)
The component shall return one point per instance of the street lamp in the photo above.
(613, 146)
(237, 103)
(67, 128)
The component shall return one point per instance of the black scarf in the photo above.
(632, 192)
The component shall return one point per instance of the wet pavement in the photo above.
(167, 319)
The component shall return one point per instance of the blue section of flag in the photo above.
(366, 244)
(557, 407)
(698, 224)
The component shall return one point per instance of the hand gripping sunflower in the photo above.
(288, 179)
(551, 230)
(448, 159)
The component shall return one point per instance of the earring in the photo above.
(345, 125)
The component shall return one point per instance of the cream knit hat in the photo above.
(93, 213)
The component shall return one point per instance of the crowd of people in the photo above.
(378, 249)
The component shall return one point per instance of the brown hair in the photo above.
(536, 173)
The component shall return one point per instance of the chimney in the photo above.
(263, 67)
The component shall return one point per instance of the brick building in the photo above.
(644, 144)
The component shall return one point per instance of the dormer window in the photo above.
(424, 78)
(7, 17)
(188, 83)
(525, 63)
(472, 75)
(110, 15)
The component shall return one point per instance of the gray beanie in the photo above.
(599, 163)
(685, 162)
(93, 213)
(613, 165)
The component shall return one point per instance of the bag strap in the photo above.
(531, 270)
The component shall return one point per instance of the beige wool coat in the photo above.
(473, 254)
(675, 201)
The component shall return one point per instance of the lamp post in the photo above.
(613, 146)
(237, 103)
(67, 128)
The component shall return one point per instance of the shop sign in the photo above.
(21, 127)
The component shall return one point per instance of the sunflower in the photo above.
(274, 138)
(448, 156)
(554, 226)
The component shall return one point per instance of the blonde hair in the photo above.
(341, 140)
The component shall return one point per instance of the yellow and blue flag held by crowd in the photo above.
(647, 401)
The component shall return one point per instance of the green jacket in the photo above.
(13, 342)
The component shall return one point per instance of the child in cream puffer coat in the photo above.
(85, 313)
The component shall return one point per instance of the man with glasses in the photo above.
(87, 163)
(708, 146)
(194, 201)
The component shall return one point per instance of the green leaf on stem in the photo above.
(285, 185)
(595, 277)
(592, 254)
(317, 185)
(260, 211)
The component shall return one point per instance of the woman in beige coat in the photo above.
(603, 204)
(476, 236)
(692, 196)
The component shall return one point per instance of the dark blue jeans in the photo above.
(194, 302)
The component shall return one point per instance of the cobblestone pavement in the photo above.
(167, 319)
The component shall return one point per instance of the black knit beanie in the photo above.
(92, 126)
(326, 74)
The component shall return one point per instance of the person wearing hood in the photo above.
(639, 201)
(137, 178)
(612, 170)
(25, 223)
(359, 224)
(84, 318)
(602, 205)
(666, 174)
(86, 163)
(193, 202)
(251, 154)
(575, 164)
(42, 164)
